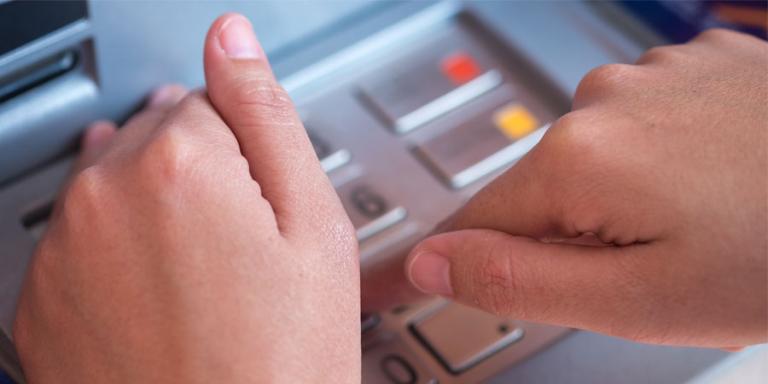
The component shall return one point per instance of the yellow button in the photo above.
(515, 121)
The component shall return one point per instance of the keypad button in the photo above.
(398, 370)
(369, 321)
(461, 337)
(515, 121)
(368, 202)
(460, 68)
(392, 362)
(330, 156)
(480, 145)
(412, 93)
(369, 210)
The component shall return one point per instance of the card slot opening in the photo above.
(36, 218)
(34, 75)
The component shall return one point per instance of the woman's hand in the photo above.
(641, 214)
(201, 243)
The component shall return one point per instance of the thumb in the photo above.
(262, 117)
(570, 285)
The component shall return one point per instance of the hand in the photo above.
(641, 214)
(203, 243)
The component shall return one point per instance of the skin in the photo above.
(641, 214)
(202, 243)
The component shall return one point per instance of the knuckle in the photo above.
(572, 137)
(603, 78)
(730, 40)
(86, 182)
(661, 54)
(84, 192)
(167, 159)
(193, 101)
(579, 184)
(715, 35)
(567, 123)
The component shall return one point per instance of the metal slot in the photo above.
(36, 74)
(36, 219)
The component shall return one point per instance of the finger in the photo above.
(159, 104)
(271, 136)
(520, 202)
(166, 97)
(384, 285)
(525, 200)
(570, 285)
(565, 187)
(95, 141)
(605, 82)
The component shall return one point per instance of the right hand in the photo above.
(641, 214)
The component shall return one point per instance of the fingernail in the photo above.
(167, 94)
(430, 273)
(237, 39)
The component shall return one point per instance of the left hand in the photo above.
(202, 243)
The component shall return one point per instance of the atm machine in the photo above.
(411, 106)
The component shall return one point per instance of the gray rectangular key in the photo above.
(414, 93)
(474, 148)
(461, 337)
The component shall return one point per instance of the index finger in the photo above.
(526, 200)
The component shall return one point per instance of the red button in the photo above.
(460, 68)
